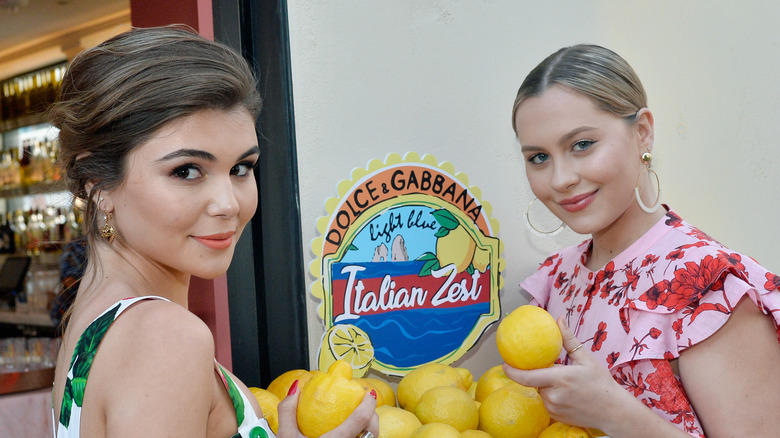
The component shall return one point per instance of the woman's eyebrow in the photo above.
(565, 137)
(208, 156)
(252, 151)
(194, 153)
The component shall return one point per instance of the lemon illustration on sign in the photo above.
(328, 399)
(456, 248)
(481, 259)
(349, 343)
(454, 245)
(529, 338)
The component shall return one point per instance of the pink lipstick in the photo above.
(216, 241)
(579, 202)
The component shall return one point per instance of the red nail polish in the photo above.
(293, 388)
(373, 393)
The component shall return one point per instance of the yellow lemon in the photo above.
(369, 386)
(491, 380)
(328, 399)
(457, 248)
(349, 343)
(280, 386)
(413, 385)
(481, 259)
(435, 430)
(561, 430)
(466, 378)
(268, 403)
(471, 433)
(513, 411)
(448, 405)
(529, 338)
(472, 389)
(382, 388)
(396, 422)
(595, 432)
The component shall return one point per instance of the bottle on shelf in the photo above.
(24, 162)
(7, 237)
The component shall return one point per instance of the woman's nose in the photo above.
(223, 200)
(564, 175)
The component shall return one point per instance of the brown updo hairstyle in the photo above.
(114, 96)
(593, 71)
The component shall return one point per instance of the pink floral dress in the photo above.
(671, 289)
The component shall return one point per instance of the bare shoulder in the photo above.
(156, 362)
(163, 334)
(164, 321)
(740, 362)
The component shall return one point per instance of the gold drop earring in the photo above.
(108, 232)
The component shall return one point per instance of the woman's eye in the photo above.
(538, 158)
(242, 169)
(187, 172)
(582, 145)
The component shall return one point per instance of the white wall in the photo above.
(439, 77)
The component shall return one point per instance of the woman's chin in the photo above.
(211, 272)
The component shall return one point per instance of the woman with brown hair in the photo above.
(157, 135)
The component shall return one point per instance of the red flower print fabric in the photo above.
(671, 289)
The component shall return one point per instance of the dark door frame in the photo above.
(266, 281)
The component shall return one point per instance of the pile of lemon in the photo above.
(434, 400)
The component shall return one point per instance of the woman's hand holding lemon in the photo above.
(576, 393)
(330, 405)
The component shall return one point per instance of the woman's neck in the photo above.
(609, 242)
(116, 273)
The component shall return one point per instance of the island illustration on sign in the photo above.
(408, 267)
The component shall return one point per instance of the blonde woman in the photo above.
(667, 332)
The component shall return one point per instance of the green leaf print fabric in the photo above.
(235, 395)
(68, 426)
(249, 424)
(81, 362)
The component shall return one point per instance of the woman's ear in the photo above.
(93, 197)
(644, 128)
(101, 199)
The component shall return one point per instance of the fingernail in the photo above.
(373, 393)
(293, 388)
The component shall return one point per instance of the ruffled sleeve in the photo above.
(540, 283)
(693, 301)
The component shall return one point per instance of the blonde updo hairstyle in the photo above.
(593, 71)
(114, 96)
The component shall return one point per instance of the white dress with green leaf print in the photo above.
(68, 426)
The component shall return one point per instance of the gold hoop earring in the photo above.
(108, 232)
(537, 231)
(646, 159)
